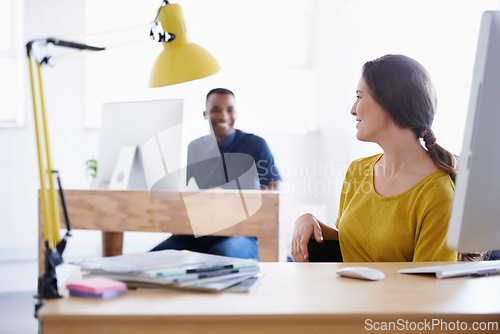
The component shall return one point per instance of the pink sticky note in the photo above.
(97, 285)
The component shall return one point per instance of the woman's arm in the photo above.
(306, 227)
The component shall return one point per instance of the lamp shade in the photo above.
(180, 60)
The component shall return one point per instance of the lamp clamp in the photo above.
(157, 30)
(41, 49)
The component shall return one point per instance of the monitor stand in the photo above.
(128, 173)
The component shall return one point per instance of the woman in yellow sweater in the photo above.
(394, 206)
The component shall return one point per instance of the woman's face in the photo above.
(371, 118)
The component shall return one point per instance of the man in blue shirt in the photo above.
(226, 162)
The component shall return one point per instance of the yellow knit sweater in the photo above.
(410, 226)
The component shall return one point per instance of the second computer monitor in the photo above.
(475, 218)
(125, 127)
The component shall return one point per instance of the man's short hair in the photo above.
(221, 91)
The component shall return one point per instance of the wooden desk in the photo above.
(290, 298)
(115, 212)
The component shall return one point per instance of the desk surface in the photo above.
(291, 298)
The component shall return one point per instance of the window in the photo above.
(11, 64)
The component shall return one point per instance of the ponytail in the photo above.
(447, 161)
(444, 159)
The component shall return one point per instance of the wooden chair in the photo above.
(115, 212)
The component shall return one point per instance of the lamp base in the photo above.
(47, 286)
(47, 289)
(47, 283)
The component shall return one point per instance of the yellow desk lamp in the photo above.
(180, 61)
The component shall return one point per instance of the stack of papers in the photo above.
(175, 269)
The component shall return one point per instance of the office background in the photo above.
(294, 77)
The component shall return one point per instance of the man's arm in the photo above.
(273, 185)
(269, 175)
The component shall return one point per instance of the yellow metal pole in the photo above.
(47, 190)
(54, 209)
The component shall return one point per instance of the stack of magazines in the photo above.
(175, 269)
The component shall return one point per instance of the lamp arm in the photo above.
(47, 283)
(47, 191)
(74, 45)
(62, 244)
(39, 48)
(63, 201)
(38, 54)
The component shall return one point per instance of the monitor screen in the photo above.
(475, 217)
(125, 127)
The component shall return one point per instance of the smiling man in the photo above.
(229, 162)
(219, 163)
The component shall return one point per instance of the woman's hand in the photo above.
(306, 227)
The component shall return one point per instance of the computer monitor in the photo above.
(125, 127)
(475, 217)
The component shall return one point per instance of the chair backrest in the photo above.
(326, 251)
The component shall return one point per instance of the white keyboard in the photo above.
(479, 268)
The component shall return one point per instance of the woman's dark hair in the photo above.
(402, 87)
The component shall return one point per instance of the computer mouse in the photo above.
(365, 273)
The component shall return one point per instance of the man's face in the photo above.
(222, 114)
